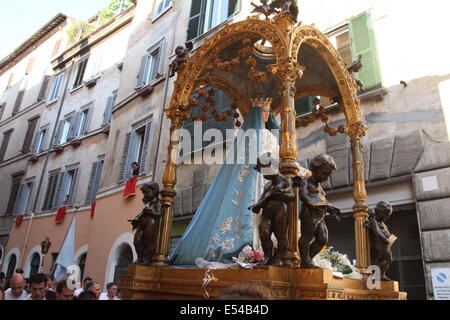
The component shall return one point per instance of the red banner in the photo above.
(130, 188)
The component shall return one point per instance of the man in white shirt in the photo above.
(111, 293)
(17, 289)
(80, 290)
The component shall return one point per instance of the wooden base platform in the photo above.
(148, 283)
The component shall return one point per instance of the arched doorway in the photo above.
(11, 266)
(124, 258)
(35, 264)
(82, 264)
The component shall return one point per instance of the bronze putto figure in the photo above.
(146, 224)
(314, 208)
(182, 55)
(381, 240)
(278, 192)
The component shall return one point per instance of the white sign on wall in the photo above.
(440, 278)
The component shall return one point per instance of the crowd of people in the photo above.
(44, 287)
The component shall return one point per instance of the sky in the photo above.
(20, 19)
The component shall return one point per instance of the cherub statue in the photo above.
(146, 224)
(381, 240)
(287, 6)
(273, 202)
(314, 208)
(183, 55)
(356, 66)
(264, 8)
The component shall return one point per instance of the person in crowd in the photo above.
(243, 292)
(111, 293)
(63, 292)
(95, 288)
(86, 280)
(17, 288)
(2, 281)
(50, 293)
(87, 295)
(119, 293)
(38, 285)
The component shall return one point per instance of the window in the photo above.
(13, 193)
(107, 115)
(137, 149)
(29, 135)
(358, 38)
(94, 181)
(150, 66)
(304, 106)
(5, 142)
(73, 126)
(54, 92)
(67, 187)
(81, 68)
(60, 185)
(161, 7)
(39, 141)
(23, 199)
(206, 14)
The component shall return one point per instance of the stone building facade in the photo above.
(404, 104)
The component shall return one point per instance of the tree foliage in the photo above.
(78, 30)
(114, 8)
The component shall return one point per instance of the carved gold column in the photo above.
(168, 193)
(356, 132)
(288, 71)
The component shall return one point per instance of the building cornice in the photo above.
(10, 60)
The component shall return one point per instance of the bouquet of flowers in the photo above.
(249, 257)
(334, 260)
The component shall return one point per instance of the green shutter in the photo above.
(303, 106)
(363, 43)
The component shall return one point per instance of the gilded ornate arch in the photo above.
(250, 28)
(347, 88)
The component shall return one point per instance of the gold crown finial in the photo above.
(262, 103)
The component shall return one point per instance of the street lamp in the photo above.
(45, 246)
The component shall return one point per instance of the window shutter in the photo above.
(18, 102)
(124, 162)
(43, 140)
(87, 120)
(29, 136)
(4, 147)
(19, 198)
(107, 115)
(160, 61)
(91, 185)
(143, 165)
(303, 106)
(363, 43)
(29, 202)
(34, 145)
(44, 87)
(13, 196)
(140, 82)
(56, 47)
(74, 126)
(73, 187)
(197, 19)
(58, 133)
(48, 195)
(30, 65)
(2, 109)
(57, 195)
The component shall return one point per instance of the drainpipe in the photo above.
(165, 98)
(44, 168)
